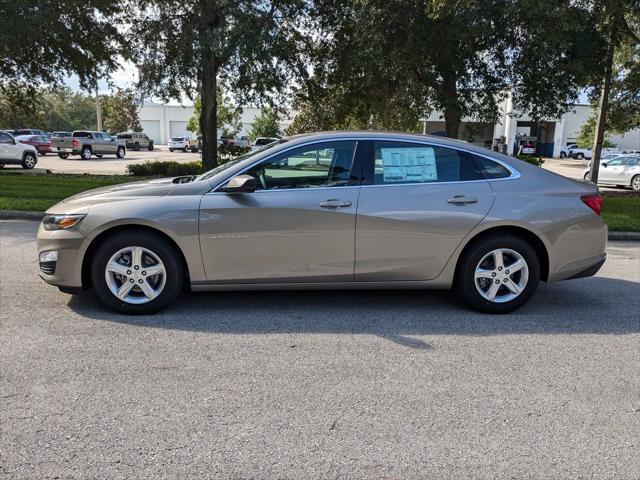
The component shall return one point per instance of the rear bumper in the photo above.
(590, 271)
(65, 150)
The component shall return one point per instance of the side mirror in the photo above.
(240, 184)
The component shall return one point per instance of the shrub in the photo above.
(537, 161)
(164, 169)
(229, 152)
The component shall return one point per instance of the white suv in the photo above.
(13, 152)
(181, 143)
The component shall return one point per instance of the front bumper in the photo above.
(67, 271)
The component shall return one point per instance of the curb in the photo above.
(19, 215)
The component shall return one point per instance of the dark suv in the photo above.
(136, 140)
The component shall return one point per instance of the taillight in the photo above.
(75, 143)
(594, 202)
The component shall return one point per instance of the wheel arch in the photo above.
(112, 230)
(526, 234)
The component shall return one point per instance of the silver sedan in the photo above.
(336, 210)
(622, 170)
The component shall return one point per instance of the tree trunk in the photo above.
(208, 86)
(451, 108)
(603, 106)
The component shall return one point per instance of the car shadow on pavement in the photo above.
(595, 305)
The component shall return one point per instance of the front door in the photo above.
(298, 226)
(421, 202)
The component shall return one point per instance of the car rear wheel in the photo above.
(580, 156)
(86, 153)
(635, 183)
(498, 274)
(563, 155)
(137, 274)
(150, 147)
(171, 150)
(120, 153)
(587, 176)
(29, 161)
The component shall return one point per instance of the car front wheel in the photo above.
(120, 153)
(137, 273)
(563, 155)
(29, 161)
(635, 183)
(498, 274)
(86, 153)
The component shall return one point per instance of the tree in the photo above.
(227, 114)
(266, 124)
(249, 47)
(619, 23)
(47, 40)
(463, 57)
(120, 111)
(587, 134)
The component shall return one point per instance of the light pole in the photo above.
(98, 108)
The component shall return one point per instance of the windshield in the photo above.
(235, 161)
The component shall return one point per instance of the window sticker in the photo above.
(409, 164)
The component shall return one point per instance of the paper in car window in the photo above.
(409, 164)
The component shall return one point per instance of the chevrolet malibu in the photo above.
(338, 210)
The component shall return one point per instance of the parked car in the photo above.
(136, 140)
(87, 143)
(333, 210)
(227, 140)
(241, 142)
(61, 134)
(262, 141)
(185, 144)
(564, 151)
(580, 153)
(622, 171)
(13, 152)
(29, 131)
(42, 143)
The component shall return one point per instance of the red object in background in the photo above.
(42, 143)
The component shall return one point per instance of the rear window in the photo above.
(177, 139)
(82, 134)
(490, 169)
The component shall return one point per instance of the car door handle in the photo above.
(462, 200)
(334, 203)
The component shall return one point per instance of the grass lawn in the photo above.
(622, 213)
(37, 192)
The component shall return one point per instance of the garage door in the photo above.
(152, 129)
(179, 129)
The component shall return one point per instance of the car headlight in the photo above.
(61, 222)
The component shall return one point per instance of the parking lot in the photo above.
(390, 384)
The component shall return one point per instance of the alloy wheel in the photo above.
(135, 275)
(501, 275)
(635, 183)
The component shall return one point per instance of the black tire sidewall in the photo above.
(465, 275)
(632, 179)
(161, 247)
(83, 155)
(24, 161)
(120, 152)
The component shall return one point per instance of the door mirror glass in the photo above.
(240, 184)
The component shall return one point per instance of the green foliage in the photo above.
(37, 192)
(191, 47)
(266, 125)
(228, 115)
(532, 159)
(54, 108)
(587, 133)
(164, 169)
(229, 152)
(45, 41)
(120, 112)
(624, 98)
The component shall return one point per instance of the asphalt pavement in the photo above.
(319, 385)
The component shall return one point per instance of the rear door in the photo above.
(298, 226)
(420, 202)
(612, 171)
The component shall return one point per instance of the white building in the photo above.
(161, 121)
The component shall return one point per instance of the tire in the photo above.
(186, 149)
(121, 152)
(99, 156)
(136, 147)
(635, 183)
(29, 160)
(86, 153)
(587, 177)
(63, 156)
(563, 155)
(150, 147)
(165, 286)
(479, 257)
(1, 165)
(580, 156)
(171, 150)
